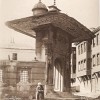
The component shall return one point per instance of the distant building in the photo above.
(18, 52)
(95, 56)
(88, 64)
(19, 68)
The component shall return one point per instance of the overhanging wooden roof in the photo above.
(96, 30)
(61, 20)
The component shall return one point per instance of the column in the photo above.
(48, 84)
(46, 75)
(67, 72)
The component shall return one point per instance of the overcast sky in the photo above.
(85, 11)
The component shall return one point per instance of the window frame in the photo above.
(94, 60)
(79, 50)
(98, 59)
(14, 56)
(82, 48)
(97, 39)
(24, 77)
(79, 66)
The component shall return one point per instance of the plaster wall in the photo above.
(22, 54)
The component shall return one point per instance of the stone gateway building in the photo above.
(54, 33)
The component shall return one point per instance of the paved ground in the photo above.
(82, 96)
(16, 98)
(89, 95)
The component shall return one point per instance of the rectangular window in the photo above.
(74, 68)
(24, 76)
(14, 56)
(79, 49)
(97, 38)
(84, 64)
(98, 59)
(93, 42)
(78, 66)
(94, 60)
(84, 46)
(74, 52)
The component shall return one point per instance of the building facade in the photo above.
(20, 70)
(95, 56)
(18, 52)
(87, 62)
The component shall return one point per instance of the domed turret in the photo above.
(39, 9)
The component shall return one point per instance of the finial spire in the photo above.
(54, 2)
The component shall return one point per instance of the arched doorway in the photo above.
(58, 76)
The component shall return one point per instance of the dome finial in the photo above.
(39, 9)
(54, 2)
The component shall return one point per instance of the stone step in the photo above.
(62, 96)
(65, 99)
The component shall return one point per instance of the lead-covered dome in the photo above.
(39, 9)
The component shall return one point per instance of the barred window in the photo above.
(24, 76)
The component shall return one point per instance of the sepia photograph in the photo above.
(49, 49)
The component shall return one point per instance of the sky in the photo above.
(85, 11)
